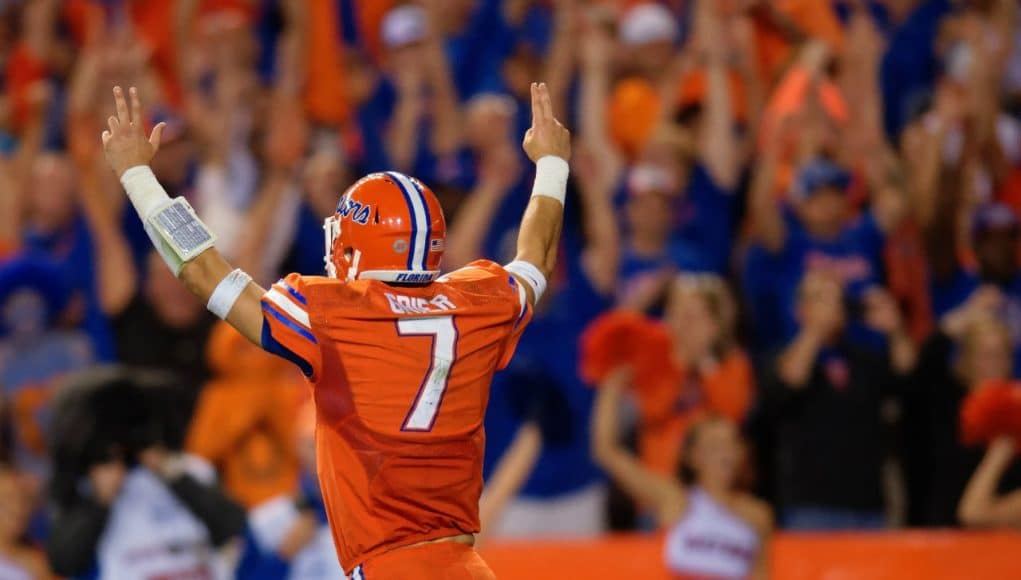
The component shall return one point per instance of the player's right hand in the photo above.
(546, 136)
(125, 144)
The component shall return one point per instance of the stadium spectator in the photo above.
(819, 235)
(972, 346)
(713, 529)
(498, 193)
(243, 423)
(35, 354)
(716, 376)
(295, 190)
(824, 399)
(422, 125)
(982, 504)
(681, 189)
(53, 226)
(125, 504)
(156, 323)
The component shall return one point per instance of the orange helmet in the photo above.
(388, 227)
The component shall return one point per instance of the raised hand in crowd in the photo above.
(719, 149)
(981, 505)
(985, 301)
(823, 317)
(883, 314)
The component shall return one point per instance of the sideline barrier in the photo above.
(929, 555)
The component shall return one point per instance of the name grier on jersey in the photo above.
(401, 304)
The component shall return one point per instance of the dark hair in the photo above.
(106, 414)
(685, 472)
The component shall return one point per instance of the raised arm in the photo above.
(498, 172)
(766, 215)
(548, 145)
(820, 300)
(118, 278)
(595, 89)
(665, 497)
(560, 61)
(292, 52)
(445, 113)
(719, 149)
(402, 135)
(601, 257)
(980, 506)
(184, 242)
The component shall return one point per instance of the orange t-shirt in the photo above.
(666, 412)
(401, 379)
(244, 420)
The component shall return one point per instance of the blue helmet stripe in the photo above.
(428, 223)
(418, 210)
(411, 212)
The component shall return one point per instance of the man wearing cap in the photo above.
(817, 232)
(994, 282)
(407, 118)
(994, 236)
(649, 258)
(647, 33)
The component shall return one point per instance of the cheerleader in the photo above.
(713, 529)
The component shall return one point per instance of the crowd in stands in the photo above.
(820, 200)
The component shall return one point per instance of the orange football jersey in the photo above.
(401, 380)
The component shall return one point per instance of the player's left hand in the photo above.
(546, 136)
(125, 144)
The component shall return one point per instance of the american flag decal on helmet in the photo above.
(436, 245)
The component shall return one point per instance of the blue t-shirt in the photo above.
(675, 258)
(945, 295)
(71, 249)
(373, 119)
(706, 220)
(771, 280)
(476, 54)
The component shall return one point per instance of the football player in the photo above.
(400, 358)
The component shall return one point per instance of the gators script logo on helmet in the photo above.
(388, 227)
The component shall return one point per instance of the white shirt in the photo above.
(711, 540)
(151, 534)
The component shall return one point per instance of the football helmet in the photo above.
(387, 227)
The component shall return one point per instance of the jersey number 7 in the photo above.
(443, 332)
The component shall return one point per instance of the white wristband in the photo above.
(530, 274)
(227, 293)
(144, 191)
(551, 178)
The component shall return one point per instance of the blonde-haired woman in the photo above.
(972, 347)
(716, 375)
